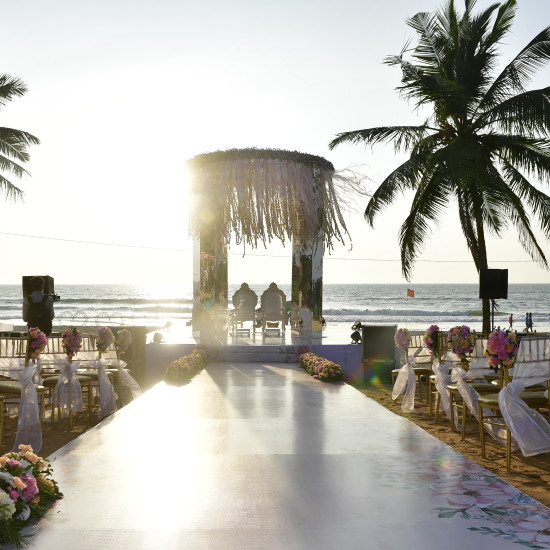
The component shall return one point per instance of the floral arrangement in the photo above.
(37, 342)
(123, 341)
(105, 338)
(461, 341)
(431, 339)
(180, 371)
(26, 490)
(320, 368)
(502, 349)
(72, 341)
(402, 339)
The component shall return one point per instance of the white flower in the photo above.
(24, 514)
(7, 477)
(7, 506)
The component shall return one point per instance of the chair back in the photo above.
(273, 303)
(246, 303)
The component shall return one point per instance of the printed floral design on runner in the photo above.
(472, 493)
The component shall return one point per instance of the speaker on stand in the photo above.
(493, 284)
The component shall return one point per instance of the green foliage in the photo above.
(486, 136)
(13, 143)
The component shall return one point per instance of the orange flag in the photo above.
(410, 293)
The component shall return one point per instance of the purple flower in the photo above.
(32, 488)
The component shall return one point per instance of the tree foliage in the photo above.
(14, 143)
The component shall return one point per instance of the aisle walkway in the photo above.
(252, 456)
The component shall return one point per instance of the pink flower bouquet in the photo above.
(402, 339)
(72, 341)
(37, 342)
(320, 368)
(431, 338)
(105, 338)
(26, 490)
(502, 349)
(461, 341)
(123, 341)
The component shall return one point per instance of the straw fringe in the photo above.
(260, 199)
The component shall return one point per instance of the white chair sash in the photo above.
(441, 371)
(126, 379)
(471, 399)
(67, 392)
(406, 383)
(29, 431)
(107, 394)
(528, 427)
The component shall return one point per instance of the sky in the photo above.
(122, 93)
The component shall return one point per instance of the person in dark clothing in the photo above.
(38, 307)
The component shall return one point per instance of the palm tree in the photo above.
(13, 143)
(485, 138)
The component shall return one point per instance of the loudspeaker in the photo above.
(48, 284)
(378, 342)
(493, 284)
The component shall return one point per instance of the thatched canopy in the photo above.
(260, 194)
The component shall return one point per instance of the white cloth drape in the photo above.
(126, 379)
(527, 426)
(442, 379)
(107, 394)
(67, 392)
(406, 383)
(29, 431)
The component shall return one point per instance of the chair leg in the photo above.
(508, 450)
(463, 427)
(481, 431)
(437, 405)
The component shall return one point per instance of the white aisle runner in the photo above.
(252, 456)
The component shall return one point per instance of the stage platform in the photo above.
(333, 343)
(262, 456)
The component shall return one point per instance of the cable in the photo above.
(248, 254)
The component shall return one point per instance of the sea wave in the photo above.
(399, 312)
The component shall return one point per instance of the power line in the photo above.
(59, 239)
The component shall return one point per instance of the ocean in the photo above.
(444, 305)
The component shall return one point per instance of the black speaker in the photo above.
(378, 342)
(493, 284)
(48, 284)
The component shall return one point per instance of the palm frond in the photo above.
(403, 136)
(8, 165)
(14, 143)
(537, 201)
(401, 179)
(428, 204)
(531, 155)
(514, 211)
(527, 113)
(10, 87)
(518, 72)
(10, 191)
